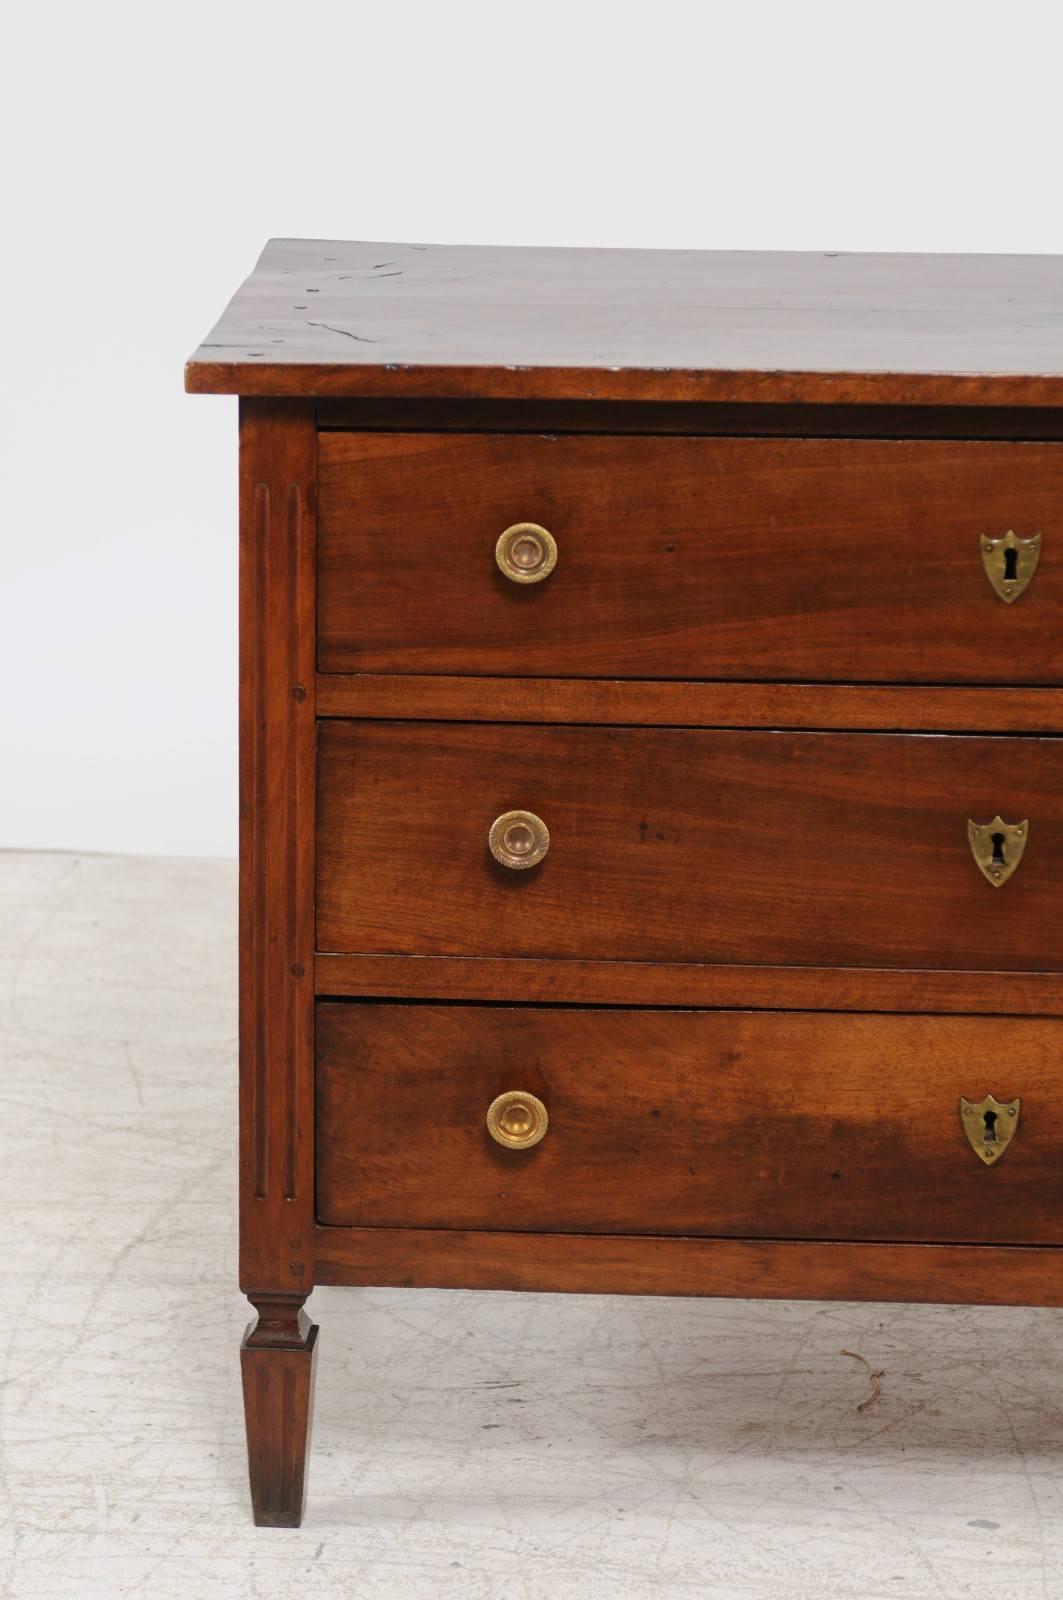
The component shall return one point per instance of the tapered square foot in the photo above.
(278, 1409)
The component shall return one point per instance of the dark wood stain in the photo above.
(741, 1124)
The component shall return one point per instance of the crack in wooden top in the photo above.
(325, 317)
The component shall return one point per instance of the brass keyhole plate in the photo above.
(990, 1126)
(997, 847)
(1010, 563)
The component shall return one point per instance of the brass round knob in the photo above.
(517, 1119)
(519, 839)
(526, 553)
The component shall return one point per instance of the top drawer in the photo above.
(830, 560)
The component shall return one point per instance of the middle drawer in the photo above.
(668, 844)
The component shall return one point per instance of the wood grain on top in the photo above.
(324, 317)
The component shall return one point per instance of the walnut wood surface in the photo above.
(687, 845)
(763, 1269)
(689, 983)
(842, 707)
(277, 445)
(766, 467)
(331, 317)
(738, 1124)
(843, 560)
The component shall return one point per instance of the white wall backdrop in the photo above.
(150, 150)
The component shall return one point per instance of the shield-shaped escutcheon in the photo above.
(998, 847)
(990, 1125)
(1010, 563)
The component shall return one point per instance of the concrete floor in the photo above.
(465, 1444)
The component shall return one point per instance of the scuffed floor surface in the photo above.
(466, 1445)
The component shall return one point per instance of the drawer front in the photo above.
(739, 1124)
(814, 849)
(826, 560)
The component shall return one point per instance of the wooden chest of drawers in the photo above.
(652, 791)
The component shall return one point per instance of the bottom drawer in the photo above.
(719, 1123)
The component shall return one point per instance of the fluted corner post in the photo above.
(278, 450)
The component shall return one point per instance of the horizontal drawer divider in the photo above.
(915, 708)
(633, 983)
(515, 1002)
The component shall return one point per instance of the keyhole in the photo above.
(990, 1135)
(998, 851)
(1011, 565)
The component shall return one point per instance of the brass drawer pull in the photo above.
(519, 839)
(997, 847)
(1010, 563)
(517, 1119)
(990, 1125)
(526, 553)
